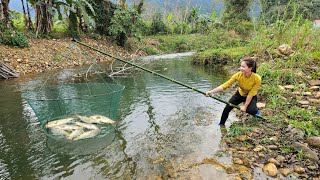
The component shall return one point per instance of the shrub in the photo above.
(158, 26)
(13, 38)
(124, 24)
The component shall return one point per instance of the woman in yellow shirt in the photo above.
(248, 82)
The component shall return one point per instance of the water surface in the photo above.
(164, 130)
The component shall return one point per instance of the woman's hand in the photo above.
(208, 93)
(243, 108)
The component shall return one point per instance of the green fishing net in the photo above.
(77, 94)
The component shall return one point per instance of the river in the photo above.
(163, 130)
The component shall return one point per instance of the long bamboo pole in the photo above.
(160, 75)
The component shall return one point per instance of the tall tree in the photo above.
(29, 17)
(44, 19)
(104, 11)
(236, 15)
(4, 13)
(27, 21)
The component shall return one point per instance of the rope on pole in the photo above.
(160, 75)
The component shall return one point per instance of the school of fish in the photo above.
(78, 127)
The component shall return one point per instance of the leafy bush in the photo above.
(158, 26)
(12, 37)
(124, 24)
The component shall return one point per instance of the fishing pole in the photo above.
(160, 75)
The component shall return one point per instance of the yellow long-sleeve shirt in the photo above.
(248, 86)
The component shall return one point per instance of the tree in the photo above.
(4, 13)
(104, 11)
(44, 13)
(125, 23)
(236, 15)
(27, 19)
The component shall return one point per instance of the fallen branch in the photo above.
(7, 72)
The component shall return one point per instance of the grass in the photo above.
(238, 129)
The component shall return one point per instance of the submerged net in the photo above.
(77, 108)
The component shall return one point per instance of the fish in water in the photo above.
(59, 132)
(51, 124)
(85, 119)
(87, 126)
(67, 127)
(75, 133)
(102, 119)
(88, 134)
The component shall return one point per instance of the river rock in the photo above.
(314, 101)
(299, 170)
(272, 160)
(314, 82)
(312, 168)
(261, 105)
(304, 102)
(289, 87)
(237, 161)
(313, 88)
(314, 141)
(274, 139)
(317, 95)
(270, 169)
(272, 147)
(285, 171)
(307, 152)
(259, 148)
(280, 158)
(285, 49)
(243, 138)
(296, 133)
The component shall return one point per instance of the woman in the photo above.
(248, 82)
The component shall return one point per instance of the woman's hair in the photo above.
(250, 62)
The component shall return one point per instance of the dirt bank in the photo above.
(48, 54)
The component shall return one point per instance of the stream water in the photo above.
(164, 130)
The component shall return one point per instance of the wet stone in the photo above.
(270, 169)
(299, 170)
(237, 161)
(280, 158)
(307, 152)
(312, 167)
(285, 171)
(296, 133)
(272, 160)
(314, 141)
(272, 147)
(258, 148)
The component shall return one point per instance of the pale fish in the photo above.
(85, 119)
(59, 132)
(75, 133)
(51, 124)
(87, 126)
(102, 119)
(88, 134)
(67, 127)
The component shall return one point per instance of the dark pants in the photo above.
(237, 99)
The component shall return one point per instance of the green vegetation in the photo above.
(238, 129)
(216, 43)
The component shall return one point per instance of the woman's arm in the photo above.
(215, 90)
